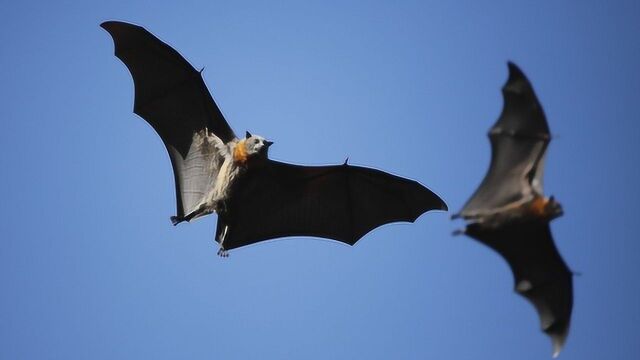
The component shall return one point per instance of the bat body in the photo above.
(510, 214)
(255, 197)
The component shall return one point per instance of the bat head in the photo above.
(256, 145)
(543, 208)
(553, 209)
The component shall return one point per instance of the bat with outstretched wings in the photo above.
(510, 214)
(255, 198)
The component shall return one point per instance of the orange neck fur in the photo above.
(240, 153)
(539, 206)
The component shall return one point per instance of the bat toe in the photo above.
(223, 253)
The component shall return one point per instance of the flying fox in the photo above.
(255, 198)
(510, 213)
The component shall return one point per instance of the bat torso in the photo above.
(538, 208)
(233, 159)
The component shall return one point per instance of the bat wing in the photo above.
(518, 143)
(172, 97)
(340, 202)
(540, 273)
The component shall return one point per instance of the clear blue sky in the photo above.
(90, 267)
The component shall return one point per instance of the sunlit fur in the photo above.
(539, 207)
(544, 208)
(240, 155)
(236, 158)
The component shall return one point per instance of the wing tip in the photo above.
(114, 27)
(436, 203)
(558, 343)
(110, 25)
(430, 199)
(443, 205)
(514, 70)
(517, 82)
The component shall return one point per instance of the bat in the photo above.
(510, 214)
(255, 198)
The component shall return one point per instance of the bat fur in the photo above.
(235, 156)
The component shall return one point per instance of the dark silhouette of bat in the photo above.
(510, 214)
(255, 198)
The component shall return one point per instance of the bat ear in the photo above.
(268, 143)
(247, 135)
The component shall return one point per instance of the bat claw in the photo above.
(223, 253)
(458, 232)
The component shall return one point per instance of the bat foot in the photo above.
(223, 253)
(458, 232)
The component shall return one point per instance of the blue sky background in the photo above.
(90, 267)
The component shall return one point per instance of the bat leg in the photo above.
(222, 252)
(201, 210)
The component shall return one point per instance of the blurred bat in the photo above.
(510, 214)
(255, 198)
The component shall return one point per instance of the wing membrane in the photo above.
(518, 143)
(540, 274)
(172, 97)
(338, 202)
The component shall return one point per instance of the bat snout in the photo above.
(554, 208)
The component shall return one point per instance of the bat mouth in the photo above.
(264, 149)
(556, 214)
